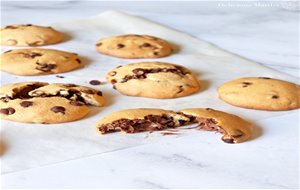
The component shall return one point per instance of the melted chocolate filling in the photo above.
(149, 123)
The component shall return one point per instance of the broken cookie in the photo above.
(38, 61)
(153, 80)
(38, 102)
(233, 128)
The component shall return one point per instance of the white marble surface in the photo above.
(268, 35)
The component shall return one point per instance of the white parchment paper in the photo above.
(33, 145)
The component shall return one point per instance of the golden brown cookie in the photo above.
(153, 80)
(261, 93)
(38, 102)
(233, 128)
(38, 61)
(29, 35)
(133, 46)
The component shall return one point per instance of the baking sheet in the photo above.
(34, 145)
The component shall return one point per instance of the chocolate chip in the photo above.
(181, 122)
(45, 67)
(28, 25)
(7, 111)
(88, 91)
(58, 109)
(114, 87)
(245, 84)
(11, 27)
(264, 78)
(99, 93)
(32, 55)
(99, 44)
(145, 45)
(7, 51)
(120, 46)
(95, 82)
(78, 60)
(26, 104)
(70, 85)
(76, 103)
(119, 66)
(180, 89)
(275, 97)
(155, 53)
(113, 81)
(208, 108)
(228, 141)
(58, 76)
(74, 53)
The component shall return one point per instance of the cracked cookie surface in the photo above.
(29, 35)
(153, 80)
(38, 61)
(261, 93)
(38, 102)
(134, 46)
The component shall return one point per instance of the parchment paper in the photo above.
(33, 145)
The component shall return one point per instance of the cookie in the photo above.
(233, 128)
(38, 61)
(134, 46)
(29, 35)
(261, 93)
(139, 120)
(38, 102)
(153, 80)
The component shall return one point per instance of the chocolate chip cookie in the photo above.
(233, 128)
(38, 102)
(134, 46)
(138, 120)
(153, 80)
(29, 35)
(261, 93)
(38, 61)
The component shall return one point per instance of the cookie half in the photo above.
(138, 120)
(134, 46)
(261, 93)
(38, 61)
(153, 80)
(38, 102)
(29, 35)
(233, 128)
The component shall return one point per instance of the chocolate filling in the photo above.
(72, 94)
(140, 73)
(210, 124)
(22, 92)
(148, 123)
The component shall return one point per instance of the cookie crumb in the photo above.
(95, 82)
(59, 76)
